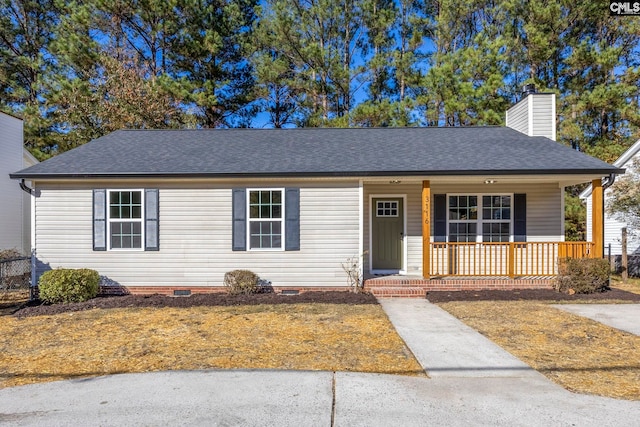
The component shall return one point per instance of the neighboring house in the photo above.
(612, 226)
(15, 205)
(173, 210)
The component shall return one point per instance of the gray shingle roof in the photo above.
(317, 152)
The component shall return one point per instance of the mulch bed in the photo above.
(37, 309)
(530, 295)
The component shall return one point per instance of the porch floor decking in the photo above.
(417, 286)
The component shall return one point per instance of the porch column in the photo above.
(597, 218)
(426, 229)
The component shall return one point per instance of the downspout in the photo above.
(608, 182)
(32, 286)
(25, 188)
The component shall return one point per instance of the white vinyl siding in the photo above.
(534, 115)
(195, 236)
(544, 212)
(14, 219)
(544, 116)
(612, 232)
(613, 227)
(518, 117)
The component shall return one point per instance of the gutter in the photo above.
(321, 174)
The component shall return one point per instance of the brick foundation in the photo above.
(169, 290)
(388, 286)
(397, 286)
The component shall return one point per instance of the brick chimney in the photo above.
(534, 114)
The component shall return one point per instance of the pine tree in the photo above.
(324, 40)
(590, 59)
(26, 30)
(210, 57)
(465, 81)
(277, 89)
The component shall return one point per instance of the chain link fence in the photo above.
(15, 273)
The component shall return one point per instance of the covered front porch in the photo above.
(433, 257)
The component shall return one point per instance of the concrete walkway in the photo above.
(446, 347)
(473, 382)
(625, 317)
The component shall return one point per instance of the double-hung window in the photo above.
(125, 219)
(479, 218)
(266, 218)
(496, 218)
(463, 218)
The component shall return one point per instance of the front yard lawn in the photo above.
(309, 336)
(631, 285)
(321, 331)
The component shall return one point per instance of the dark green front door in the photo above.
(387, 232)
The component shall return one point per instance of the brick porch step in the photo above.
(398, 291)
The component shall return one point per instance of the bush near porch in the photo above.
(582, 275)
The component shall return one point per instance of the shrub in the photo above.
(241, 282)
(65, 285)
(582, 275)
(10, 254)
(353, 268)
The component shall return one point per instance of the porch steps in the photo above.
(398, 291)
(397, 286)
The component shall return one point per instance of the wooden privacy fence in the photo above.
(513, 259)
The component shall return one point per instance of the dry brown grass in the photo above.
(578, 353)
(11, 300)
(328, 337)
(631, 285)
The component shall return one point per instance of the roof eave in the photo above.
(354, 174)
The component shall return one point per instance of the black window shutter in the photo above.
(292, 219)
(439, 218)
(151, 219)
(519, 217)
(239, 213)
(99, 220)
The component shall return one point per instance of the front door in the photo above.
(387, 233)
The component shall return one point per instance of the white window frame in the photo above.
(281, 219)
(479, 221)
(112, 220)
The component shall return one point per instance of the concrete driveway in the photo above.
(625, 317)
(473, 382)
